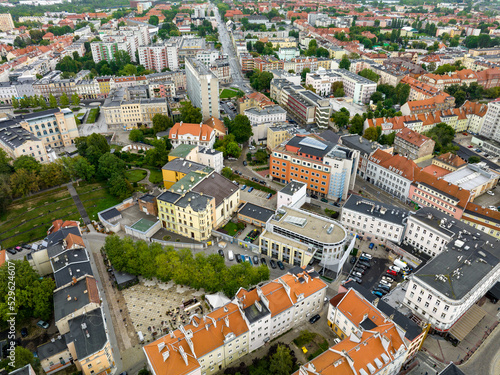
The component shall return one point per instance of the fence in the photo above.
(241, 243)
(184, 245)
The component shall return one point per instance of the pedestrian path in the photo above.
(78, 203)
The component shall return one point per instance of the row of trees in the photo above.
(40, 102)
(199, 271)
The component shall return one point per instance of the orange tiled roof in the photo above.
(72, 240)
(407, 168)
(58, 224)
(452, 159)
(277, 296)
(298, 288)
(412, 137)
(436, 171)
(197, 130)
(216, 124)
(443, 186)
(208, 333)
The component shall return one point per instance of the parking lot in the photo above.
(259, 197)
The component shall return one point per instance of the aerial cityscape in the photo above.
(249, 187)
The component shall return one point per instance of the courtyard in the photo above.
(156, 308)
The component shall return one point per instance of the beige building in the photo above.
(202, 88)
(276, 135)
(6, 23)
(17, 142)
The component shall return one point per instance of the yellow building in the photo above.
(89, 345)
(484, 219)
(104, 84)
(276, 135)
(178, 168)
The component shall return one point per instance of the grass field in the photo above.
(155, 176)
(95, 198)
(228, 93)
(135, 175)
(94, 112)
(34, 215)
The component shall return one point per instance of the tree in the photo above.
(52, 101)
(232, 149)
(23, 357)
(443, 135)
(136, 135)
(15, 103)
(261, 81)
(64, 100)
(83, 169)
(92, 147)
(460, 97)
(227, 172)
(52, 174)
(345, 63)
(281, 362)
(75, 100)
(241, 128)
(356, 125)
(341, 118)
(161, 123)
(387, 139)
(369, 74)
(371, 134)
(27, 162)
(377, 97)
(259, 46)
(33, 295)
(158, 156)
(190, 114)
(42, 103)
(154, 20)
(473, 159)
(303, 75)
(110, 165)
(119, 186)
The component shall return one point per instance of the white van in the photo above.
(141, 337)
(230, 255)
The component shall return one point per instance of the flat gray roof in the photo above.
(379, 210)
(256, 212)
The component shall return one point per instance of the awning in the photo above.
(467, 322)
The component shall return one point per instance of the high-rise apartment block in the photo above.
(202, 88)
(159, 56)
(6, 23)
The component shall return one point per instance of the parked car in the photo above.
(371, 245)
(360, 270)
(249, 258)
(364, 263)
(26, 246)
(280, 265)
(391, 272)
(272, 263)
(384, 287)
(262, 182)
(251, 189)
(24, 332)
(324, 200)
(366, 255)
(269, 196)
(378, 294)
(245, 163)
(238, 258)
(387, 279)
(353, 260)
(43, 324)
(490, 192)
(366, 259)
(469, 146)
(243, 187)
(255, 260)
(357, 274)
(11, 250)
(357, 279)
(314, 196)
(390, 276)
(395, 269)
(221, 252)
(314, 319)
(385, 282)
(263, 261)
(362, 266)
(384, 292)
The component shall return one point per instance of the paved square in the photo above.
(155, 307)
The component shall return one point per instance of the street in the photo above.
(227, 48)
(374, 193)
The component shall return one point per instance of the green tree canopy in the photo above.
(369, 74)
(110, 165)
(92, 147)
(443, 135)
(241, 129)
(356, 125)
(190, 114)
(371, 134)
(154, 20)
(281, 362)
(473, 159)
(161, 123)
(345, 63)
(27, 162)
(136, 135)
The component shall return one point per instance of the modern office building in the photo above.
(272, 113)
(296, 237)
(202, 88)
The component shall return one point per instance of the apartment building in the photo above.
(379, 221)
(208, 56)
(106, 50)
(365, 149)
(449, 161)
(392, 173)
(202, 88)
(192, 134)
(221, 69)
(296, 237)
(252, 100)
(360, 89)
(189, 47)
(483, 219)
(292, 195)
(350, 313)
(278, 134)
(307, 107)
(328, 170)
(446, 289)
(16, 89)
(491, 124)
(280, 304)
(272, 113)
(118, 111)
(6, 23)
(177, 168)
(413, 145)
(419, 90)
(432, 191)
(440, 102)
(322, 81)
(17, 141)
(157, 57)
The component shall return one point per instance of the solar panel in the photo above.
(314, 143)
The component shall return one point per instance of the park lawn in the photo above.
(135, 175)
(228, 94)
(38, 210)
(95, 198)
(232, 228)
(155, 177)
